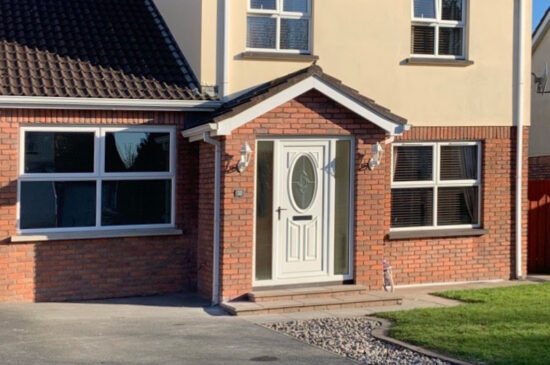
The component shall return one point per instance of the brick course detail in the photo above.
(414, 261)
(95, 268)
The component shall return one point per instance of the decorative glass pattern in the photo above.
(304, 182)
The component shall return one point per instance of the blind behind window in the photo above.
(412, 207)
(413, 163)
(423, 39)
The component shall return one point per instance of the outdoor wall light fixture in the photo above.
(246, 153)
(376, 159)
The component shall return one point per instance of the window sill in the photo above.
(440, 233)
(83, 235)
(278, 56)
(421, 61)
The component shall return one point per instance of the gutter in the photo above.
(520, 107)
(217, 195)
(38, 102)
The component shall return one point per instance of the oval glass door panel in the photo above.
(303, 182)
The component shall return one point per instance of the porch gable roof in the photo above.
(260, 100)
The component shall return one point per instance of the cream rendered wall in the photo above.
(364, 43)
(539, 137)
(193, 25)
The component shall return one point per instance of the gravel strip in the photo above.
(352, 338)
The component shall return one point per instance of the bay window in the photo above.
(436, 185)
(96, 178)
(279, 25)
(438, 28)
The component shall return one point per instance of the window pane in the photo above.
(137, 152)
(411, 207)
(450, 41)
(295, 34)
(458, 205)
(424, 9)
(452, 10)
(423, 40)
(264, 210)
(59, 152)
(458, 163)
(128, 202)
(341, 208)
(263, 4)
(49, 204)
(261, 32)
(412, 163)
(299, 6)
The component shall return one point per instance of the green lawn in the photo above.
(497, 326)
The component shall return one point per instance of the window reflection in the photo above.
(137, 152)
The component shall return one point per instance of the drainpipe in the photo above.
(225, 52)
(217, 194)
(520, 107)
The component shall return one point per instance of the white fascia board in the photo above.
(225, 127)
(537, 37)
(196, 134)
(37, 102)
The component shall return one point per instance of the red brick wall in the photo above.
(539, 168)
(206, 220)
(415, 261)
(468, 258)
(97, 268)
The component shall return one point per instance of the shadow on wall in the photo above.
(8, 201)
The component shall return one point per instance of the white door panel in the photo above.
(301, 219)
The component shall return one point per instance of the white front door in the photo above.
(302, 196)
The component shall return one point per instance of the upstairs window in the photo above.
(279, 25)
(436, 186)
(438, 28)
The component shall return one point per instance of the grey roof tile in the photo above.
(91, 48)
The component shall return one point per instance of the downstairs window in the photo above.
(436, 186)
(74, 179)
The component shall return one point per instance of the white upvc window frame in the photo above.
(437, 183)
(278, 13)
(98, 175)
(438, 23)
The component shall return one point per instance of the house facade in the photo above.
(261, 158)
(539, 151)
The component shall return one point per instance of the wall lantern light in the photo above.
(377, 154)
(246, 153)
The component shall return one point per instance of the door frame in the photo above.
(330, 255)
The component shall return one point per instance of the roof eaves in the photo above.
(229, 111)
(541, 29)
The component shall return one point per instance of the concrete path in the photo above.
(161, 330)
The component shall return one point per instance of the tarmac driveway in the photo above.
(156, 330)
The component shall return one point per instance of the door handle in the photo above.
(279, 210)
